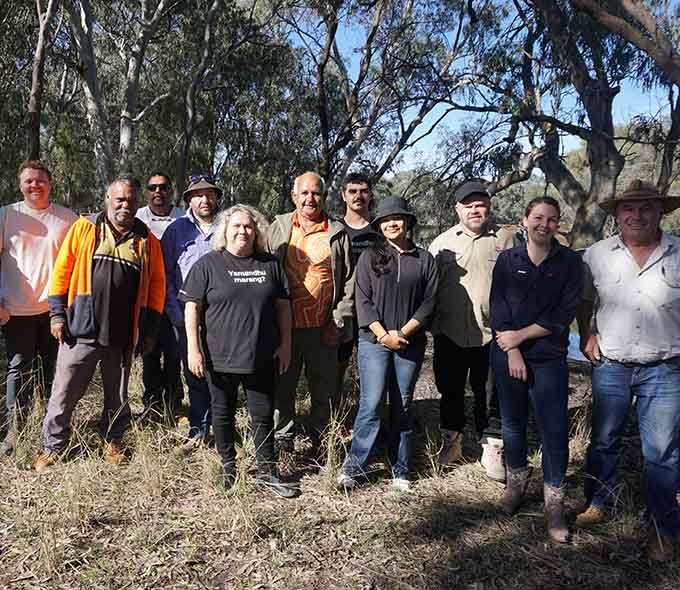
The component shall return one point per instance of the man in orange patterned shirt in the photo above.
(317, 255)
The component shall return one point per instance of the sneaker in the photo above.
(452, 448)
(114, 454)
(45, 460)
(401, 484)
(189, 446)
(492, 459)
(226, 478)
(346, 483)
(271, 483)
(659, 546)
(591, 516)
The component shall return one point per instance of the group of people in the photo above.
(241, 303)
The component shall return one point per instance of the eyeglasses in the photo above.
(198, 177)
(158, 187)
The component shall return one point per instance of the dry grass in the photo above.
(162, 522)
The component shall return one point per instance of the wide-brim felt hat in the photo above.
(393, 206)
(200, 185)
(639, 190)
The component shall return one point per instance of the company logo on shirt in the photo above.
(248, 276)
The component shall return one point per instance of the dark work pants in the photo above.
(31, 356)
(162, 384)
(453, 365)
(260, 395)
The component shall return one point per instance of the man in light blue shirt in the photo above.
(185, 241)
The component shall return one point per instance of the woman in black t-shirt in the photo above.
(238, 296)
(395, 290)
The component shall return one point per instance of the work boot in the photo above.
(553, 507)
(45, 460)
(591, 516)
(659, 545)
(114, 453)
(515, 488)
(270, 481)
(493, 460)
(226, 478)
(452, 448)
(7, 445)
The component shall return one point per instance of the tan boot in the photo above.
(114, 453)
(553, 506)
(659, 545)
(452, 448)
(45, 460)
(515, 488)
(591, 516)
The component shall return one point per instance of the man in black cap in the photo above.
(184, 242)
(465, 255)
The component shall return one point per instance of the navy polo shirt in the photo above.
(523, 294)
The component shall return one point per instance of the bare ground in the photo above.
(162, 522)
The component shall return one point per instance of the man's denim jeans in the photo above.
(547, 389)
(657, 387)
(381, 368)
(200, 416)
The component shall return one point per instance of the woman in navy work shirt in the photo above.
(535, 290)
(396, 284)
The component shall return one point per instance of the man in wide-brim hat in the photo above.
(634, 345)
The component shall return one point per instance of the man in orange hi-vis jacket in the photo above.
(106, 299)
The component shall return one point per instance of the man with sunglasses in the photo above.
(185, 241)
(162, 386)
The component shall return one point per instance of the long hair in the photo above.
(380, 259)
(219, 241)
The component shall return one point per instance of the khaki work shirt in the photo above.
(465, 268)
(637, 310)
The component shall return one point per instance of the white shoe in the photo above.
(492, 459)
(452, 448)
(401, 484)
(346, 482)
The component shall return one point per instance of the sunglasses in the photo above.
(198, 177)
(158, 187)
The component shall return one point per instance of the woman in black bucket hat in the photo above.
(395, 292)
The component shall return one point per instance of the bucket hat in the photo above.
(199, 183)
(639, 190)
(393, 206)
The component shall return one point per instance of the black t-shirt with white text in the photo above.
(361, 238)
(239, 326)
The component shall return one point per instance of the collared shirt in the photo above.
(465, 265)
(183, 243)
(310, 273)
(116, 272)
(637, 310)
(158, 223)
(523, 294)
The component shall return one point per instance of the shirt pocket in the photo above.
(608, 287)
(670, 272)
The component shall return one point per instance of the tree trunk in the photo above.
(35, 100)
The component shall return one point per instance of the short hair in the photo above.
(163, 174)
(316, 175)
(33, 165)
(126, 179)
(219, 241)
(542, 200)
(357, 178)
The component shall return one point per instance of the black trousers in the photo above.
(453, 365)
(259, 388)
(31, 357)
(162, 384)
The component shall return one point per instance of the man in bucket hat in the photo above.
(183, 243)
(629, 323)
(466, 255)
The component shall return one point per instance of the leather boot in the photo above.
(553, 506)
(515, 488)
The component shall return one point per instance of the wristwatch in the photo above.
(339, 323)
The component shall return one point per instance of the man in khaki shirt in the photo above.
(466, 255)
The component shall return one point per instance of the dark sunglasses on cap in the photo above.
(158, 187)
(198, 177)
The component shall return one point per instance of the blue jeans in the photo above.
(397, 371)
(657, 387)
(199, 394)
(547, 388)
